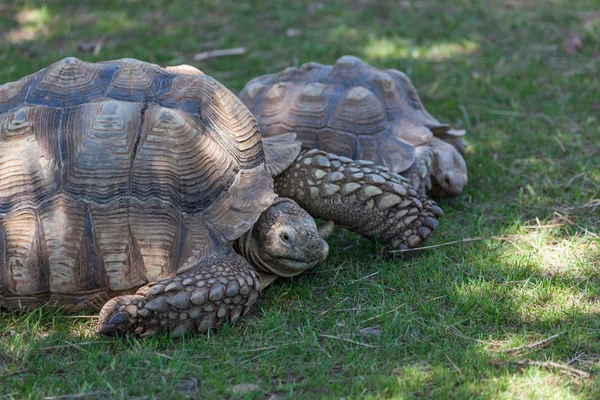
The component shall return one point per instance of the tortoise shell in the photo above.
(119, 173)
(350, 109)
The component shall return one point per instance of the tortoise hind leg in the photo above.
(201, 298)
(360, 196)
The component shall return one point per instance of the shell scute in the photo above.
(348, 108)
(13, 94)
(98, 144)
(119, 173)
(30, 158)
(139, 81)
(70, 82)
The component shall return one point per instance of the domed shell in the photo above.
(349, 108)
(119, 173)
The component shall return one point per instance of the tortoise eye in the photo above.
(285, 237)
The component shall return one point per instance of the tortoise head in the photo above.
(448, 170)
(284, 241)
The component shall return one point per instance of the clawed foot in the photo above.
(120, 315)
(196, 301)
(360, 196)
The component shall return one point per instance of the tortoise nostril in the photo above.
(314, 245)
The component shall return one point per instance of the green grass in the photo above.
(442, 323)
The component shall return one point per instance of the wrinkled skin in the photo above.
(448, 170)
(283, 242)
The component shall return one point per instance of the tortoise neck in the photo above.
(246, 247)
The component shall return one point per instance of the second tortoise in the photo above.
(357, 111)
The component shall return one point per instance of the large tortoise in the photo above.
(357, 111)
(122, 176)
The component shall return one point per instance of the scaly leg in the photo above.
(219, 288)
(361, 197)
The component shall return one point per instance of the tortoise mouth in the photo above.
(446, 191)
(317, 253)
(297, 264)
(285, 240)
(283, 267)
(290, 265)
(294, 265)
(294, 260)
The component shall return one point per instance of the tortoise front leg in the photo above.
(203, 297)
(361, 197)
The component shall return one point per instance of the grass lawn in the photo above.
(513, 313)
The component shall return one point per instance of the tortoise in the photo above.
(148, 193)
(357, 111)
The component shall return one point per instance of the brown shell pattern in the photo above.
(350, 109)
(119, 173)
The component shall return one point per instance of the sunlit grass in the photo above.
(535, 384)
(398, 48)
(113, 21)
(32, 23)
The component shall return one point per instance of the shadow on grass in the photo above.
(446, 323)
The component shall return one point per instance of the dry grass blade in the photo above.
(336, 269)
(363, 278)
(348, 340)
(381, 315)
(236, 51)
(547, 226)
(337, 304)
(577, 373)
(590, 204)
(75, 396)
(534, 345)
(454, 365)
(434, 298)
(199, 367)
(4, 373)
(164, 355)
(571, 180)
(270, 347)
(459, 334)
(509, 113)
(75, 345)
(465, 240)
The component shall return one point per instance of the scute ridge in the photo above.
(119, 199)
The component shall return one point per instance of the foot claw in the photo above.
(119, 318)
(148, 333)
(432, 223)
(424, 232)
(438, 212)
(109, 330)
(113, 321)
(182, 311)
